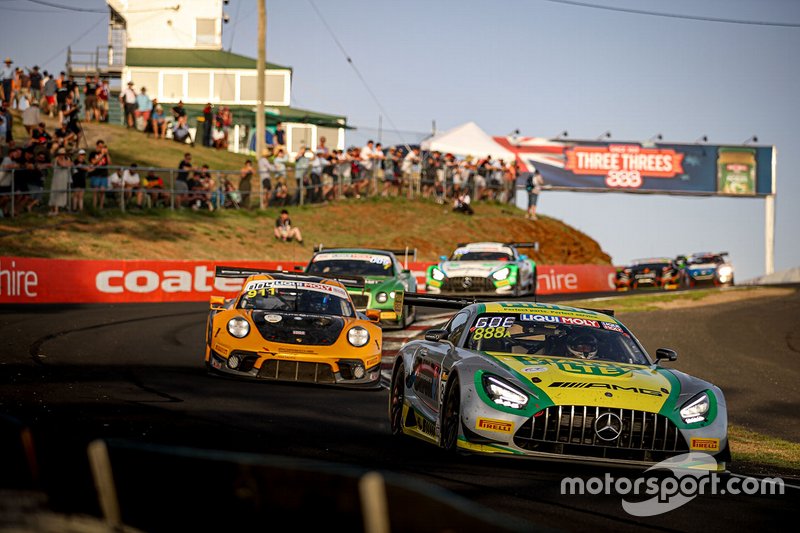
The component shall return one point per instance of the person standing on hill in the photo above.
(98, 174)
(7, 74)
(59, 186)
(208, 123)
(128, 100)
(534, 187)
(246, 183)
(144, 106)
(102, 100)
(90, 98)
(50, 89)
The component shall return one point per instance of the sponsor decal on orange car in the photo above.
(704, 444)
(500, 426)
(220, 349)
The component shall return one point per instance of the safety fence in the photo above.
(45, 281)
(39, 187)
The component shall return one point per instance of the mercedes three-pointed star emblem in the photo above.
(608, 426)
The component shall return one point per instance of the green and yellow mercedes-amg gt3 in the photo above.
(553, 382)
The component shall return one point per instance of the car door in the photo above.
(433, 361)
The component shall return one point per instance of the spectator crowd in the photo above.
(277, 178)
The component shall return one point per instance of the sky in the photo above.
(539, 66)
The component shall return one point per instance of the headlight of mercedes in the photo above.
(358, 336)
(238, 327)
(437, 274)
(501, 274)
(696, 409)
(381, 297)
(504, 393)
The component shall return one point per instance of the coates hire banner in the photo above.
(655, 168)
(31, 281)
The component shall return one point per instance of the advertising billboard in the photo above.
(692, 169)
(29, 280)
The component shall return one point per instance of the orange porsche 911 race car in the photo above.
(293, 327)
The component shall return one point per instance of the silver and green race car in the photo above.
(484, 268)
(553, 382)
(386, 280)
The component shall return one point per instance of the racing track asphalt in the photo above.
(76, 373)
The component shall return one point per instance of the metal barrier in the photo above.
(33, 189)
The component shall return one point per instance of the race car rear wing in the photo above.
(534, 245)
(433, 300)
(239, 272)
(455, 302)
(407, 253)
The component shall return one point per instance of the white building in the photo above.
(174, 49)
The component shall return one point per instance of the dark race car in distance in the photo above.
(655, 272)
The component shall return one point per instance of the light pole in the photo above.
(261, 65)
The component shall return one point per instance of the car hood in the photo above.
(298, 328)
(472, 268)
(567, 381)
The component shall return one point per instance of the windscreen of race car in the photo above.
(296, 297)
(351, 264)
(472, 255)
(554, 336)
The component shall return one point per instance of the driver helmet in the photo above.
(582, 345)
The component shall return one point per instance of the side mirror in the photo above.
(373, 314)
(523, 257)
(442, 258)
(217, 303)
(666, 353)
(299, 268)
(436, 335)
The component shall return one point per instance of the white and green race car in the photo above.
(484, 268)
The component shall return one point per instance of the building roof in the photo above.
(217, 59)
(276, 114)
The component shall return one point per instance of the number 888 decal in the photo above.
(494, 327)
(624, 178)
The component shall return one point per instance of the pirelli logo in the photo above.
(500, 426)
(704, 444)
(220, 349)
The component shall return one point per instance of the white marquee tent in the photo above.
(467, 139)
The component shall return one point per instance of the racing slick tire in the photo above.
(451, 416)
(396, 399)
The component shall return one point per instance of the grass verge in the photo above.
(750, 449)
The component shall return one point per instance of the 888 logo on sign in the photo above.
(629, 179)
